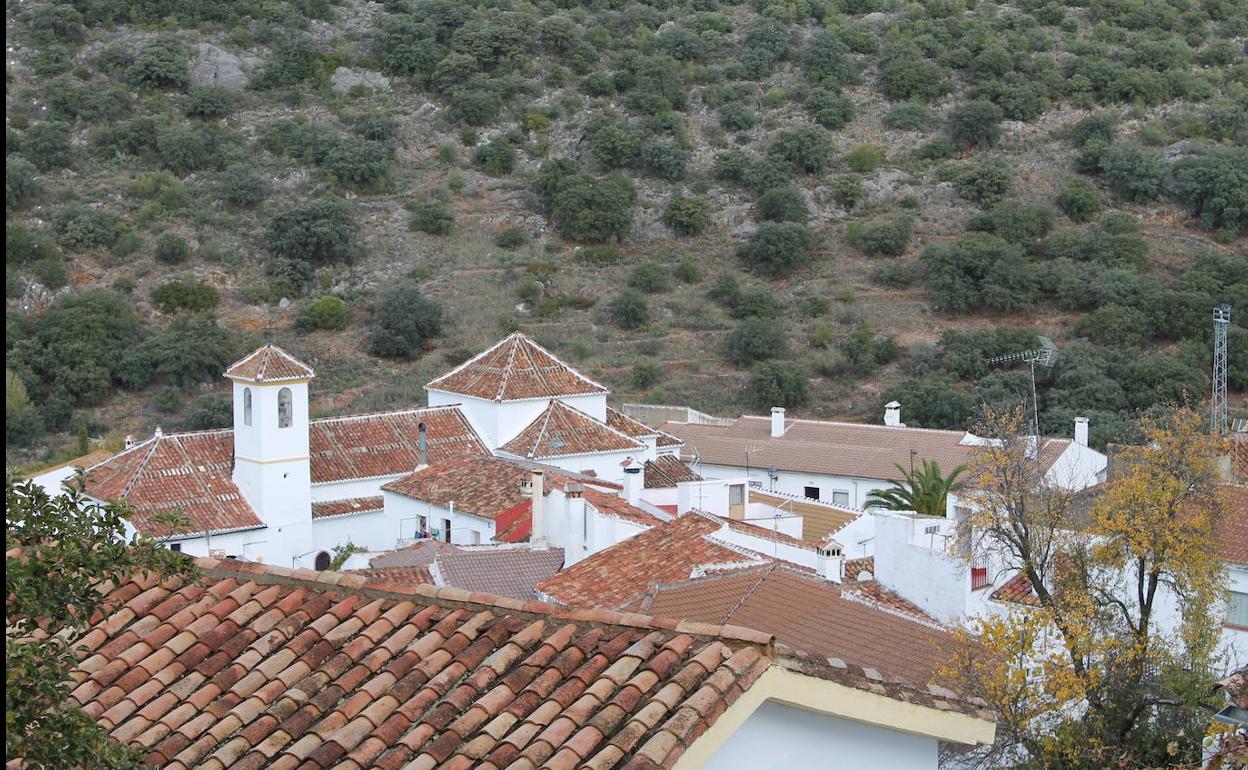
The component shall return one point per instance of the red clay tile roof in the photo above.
(481, 486)
(418, 554)
(628, 426)
(833, 448)
(350, 505)
(611, 504)
(412, 575)
(500, 570)
(515, 368)
(258, 666)
(807, 613)
(561, 430)
(667, 471)
(855, 567)
(269, 363)
(618, 576)
(1016, 590)
(193, 472)
(1231, 529)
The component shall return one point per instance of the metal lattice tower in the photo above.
(1221, 321)
(1045, 356)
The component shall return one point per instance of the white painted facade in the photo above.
(498, 422)
(782, 737)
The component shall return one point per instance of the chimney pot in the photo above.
(129, 440)
(422, 446)
(537, 538)
(1081, 431)
(777, 421)
(892, 415)
(158, 432)
(632, 482)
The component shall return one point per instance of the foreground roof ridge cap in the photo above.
(369, 415)
(581, 412)
(813, 421)
(347, 583)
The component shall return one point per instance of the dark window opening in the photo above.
(323, 560)
(175, 547)
(446, 530)
(811, 492)
(979, 578)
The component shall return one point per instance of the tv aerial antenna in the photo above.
(1046, 356)
(1221, 320)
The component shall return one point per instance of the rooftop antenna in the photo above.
(1221, 320)
(1045, 356)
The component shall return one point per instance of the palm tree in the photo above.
(923, 491)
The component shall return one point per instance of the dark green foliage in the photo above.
(1101, 127)
(47, 145)
(318, 231)
(293, 60)
(209, 102)
(782, 204)
(864, 158)
(827, 59)
(647, 375)
(432, 217)
(687, 215)
(984, 182)
(161, 65)
(324, 312)
(183, 149)
(184, 295)
(777, 248)
(753, 302)
(171, 249)
(629, 310)
(831, 110)
(778, 384)
(1079, 200)
(737, 116)
(964, 352)
(650, 277)
(590, 209)
(82, 228)
(756, 339)
(867, 351)
(1115, 242)
(982, 271)
(59, 23)
(362, 164)
(404, 322)
(905, 74)
(242, 186)
(847, 190)
(1134, 172)
(193, 349)
(931, 402)
(664, 160)
(888, 237)
(168, 400)
(22, 245)
(1114, 325)
(1215, 186)
(209, 413)
(511, 237)
(908, 116)
(975, 125)
(496, 158)
(1016, 222)
(21, 182)
(806, 148)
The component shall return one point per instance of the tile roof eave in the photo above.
(192, 535)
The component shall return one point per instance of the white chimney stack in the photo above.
(632, 481)
(892, 415)
(537, 538)
(777, 421)
(130, 442)
(1081, 431)
(830, 561)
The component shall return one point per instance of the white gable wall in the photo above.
(498, 422)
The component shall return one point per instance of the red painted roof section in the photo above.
(269, 363)
(561, 430)
(515, 368)
(514, 524)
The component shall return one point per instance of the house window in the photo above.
(840, 497)
(446, 530)
(284, 399)
(811, 492)
(736, 494)
(247, 407)
(1237, 609)
(476, 537)
(979, 578)
(323, 560)
(422, 526)
(175, 547)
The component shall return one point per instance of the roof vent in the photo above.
(892, 415)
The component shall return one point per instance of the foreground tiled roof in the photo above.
(617, 577)
(265, 667)
(809, 614)
(483, 486)
(1016, 590)
(504, 571)
(561, 430)
(833, 448)
(349, 505)
(193, 472)
(515, 368)
(667, 471)
(1231, 529)
(269, 363)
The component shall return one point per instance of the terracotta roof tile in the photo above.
(503, 571)
(482, 486)
(667, 471)
(513, 369)
(269, 363)
(561, 430)
(612, 504)
(1016, 590)
(350, 505)
(1231, 528)
(628, 426)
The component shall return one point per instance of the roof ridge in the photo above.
(653, 431)
(138, 470)
(762, 576)
(603, 423)
(369, 415)
(341, 582)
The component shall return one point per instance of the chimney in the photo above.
(892, 415)
(777, 421)
(830, 562)
(422, 447)
(537, 539)
(130, 442)
(1081, 431)
(158, 432)
(632, 481)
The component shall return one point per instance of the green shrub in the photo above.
(21, 182)
(847, 191)
(1215, 186)
(511, 237)
(664, 160)
(1136, 173)
(184, 295)
(1101, 127)
(1015, 222)
(292, 60)
(887, 237)
(22, 245)
(754, 340)
(171, 249)
(865, 158)
(319, 231)
(778, 384)
(830, 109)
(977, 272)
(242, 186)
(866, 351)
(984, 182)
(47, 145)
(905, 74)
(1115, 325)
(1079, 200)
(687, 215)
(782, 204)
(647, 375)
(362, 164)
(161, 64)
(433, 218)
(777, 248)
(650, 277)
(52, 273)
(209, 102)
(629, 310)
(168, 400)
(404, 322)
(827, 59)
(754, 302)
(907, 116)
(191, 350)
(183, 149)
(892, 274)
(82, 228)
(496, 158)
(209, 413)
(737, 116)
(975, 124)
(589, 209)
(324, 312)
(686, 270)
(805, 148)
(931, 402)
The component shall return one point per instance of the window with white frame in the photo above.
(1237, 609)
(840, 497)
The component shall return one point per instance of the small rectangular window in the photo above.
(811, 492)
(979, 578)
(840, 497)
(1237, 609)
(736, 494)
(446, 530)
(175, 547)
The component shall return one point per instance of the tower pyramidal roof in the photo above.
(269, 363)
(516, 368)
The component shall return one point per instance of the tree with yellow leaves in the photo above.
(1106, 663)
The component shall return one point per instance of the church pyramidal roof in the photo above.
(515, 369)
(269, 363)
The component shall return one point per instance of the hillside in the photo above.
(821, 205)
